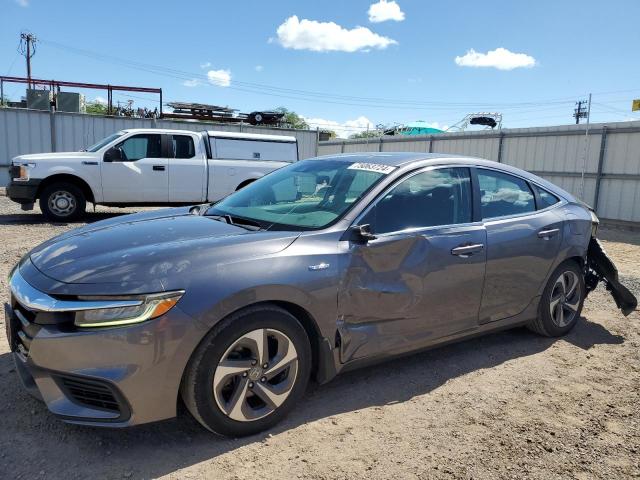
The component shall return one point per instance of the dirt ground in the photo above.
(508, 405)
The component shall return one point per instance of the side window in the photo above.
(141, 146)
(546, 198)
(182, 146)
(240, 149)
(428, 199)
(503, 194)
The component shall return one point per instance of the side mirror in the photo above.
(114, 154)
(363, 233)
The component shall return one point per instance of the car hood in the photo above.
(151, 251)
(44, 157)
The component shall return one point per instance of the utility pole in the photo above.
(586, 150)
(581, 110)
(28, 49)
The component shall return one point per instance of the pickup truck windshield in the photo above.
(103, 142)
(303, 196)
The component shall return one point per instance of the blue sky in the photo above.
(532, 60)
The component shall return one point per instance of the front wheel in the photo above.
(249, 372)
(62, 202)
(561, 302)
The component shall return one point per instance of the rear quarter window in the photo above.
(545, 198)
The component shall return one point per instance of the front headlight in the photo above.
(21, 172)
(150, 306)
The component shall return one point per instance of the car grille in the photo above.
(90, 393)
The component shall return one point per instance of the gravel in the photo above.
(507, 405)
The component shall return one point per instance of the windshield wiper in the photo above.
(238, 222)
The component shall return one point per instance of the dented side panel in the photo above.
(401, 291)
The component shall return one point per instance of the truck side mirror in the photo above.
(362, 233)
(114, 154)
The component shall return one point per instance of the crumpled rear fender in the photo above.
(600, 268)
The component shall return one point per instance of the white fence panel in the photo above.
(611, 164)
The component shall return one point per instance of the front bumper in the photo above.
(23, 193)
(103, 376)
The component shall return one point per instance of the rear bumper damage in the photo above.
(600, 268)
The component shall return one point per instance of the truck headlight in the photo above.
(21, 172)
(151, 306)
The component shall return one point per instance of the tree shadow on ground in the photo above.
(149, 451)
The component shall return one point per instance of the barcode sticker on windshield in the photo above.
(372, 167)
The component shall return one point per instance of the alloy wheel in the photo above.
(255, 375)
(565, 299)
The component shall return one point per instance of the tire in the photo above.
(559, 308)
(209, 389)
(62, 202)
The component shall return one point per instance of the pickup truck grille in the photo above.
(14, 172)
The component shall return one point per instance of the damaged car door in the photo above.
(417, 272)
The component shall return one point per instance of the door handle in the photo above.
(465, 251)
(158, 168)
(548, 233)
(85, 162)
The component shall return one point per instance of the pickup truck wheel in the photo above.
(561, 302)
(248, 372)
(62, 202)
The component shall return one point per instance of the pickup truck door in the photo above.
(187, 169)
(141, 176)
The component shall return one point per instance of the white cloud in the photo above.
(344, 129)
(194, 82)
(383, 11)
(328, 36)
(23, 3)
(205, 65)
(259, 68)
(500, 58)
(221, 78)
(100, 100)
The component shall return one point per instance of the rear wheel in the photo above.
(249, 372)
(561, 302)
(62, 202)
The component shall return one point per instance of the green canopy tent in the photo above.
(418, 128)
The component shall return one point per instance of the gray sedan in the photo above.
(323, 266)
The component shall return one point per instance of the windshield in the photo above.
(104, 141)
(306, 195)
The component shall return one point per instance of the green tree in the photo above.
(365, 134)
(96, 108)
(292, 118)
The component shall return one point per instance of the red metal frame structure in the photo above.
(56, 84)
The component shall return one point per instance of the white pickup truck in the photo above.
(143, 167)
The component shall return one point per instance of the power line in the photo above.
(296, 94)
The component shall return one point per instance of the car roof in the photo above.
(419, 160)
(397, 159)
